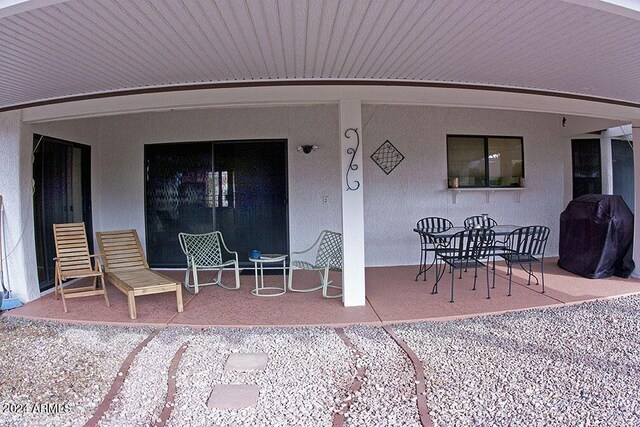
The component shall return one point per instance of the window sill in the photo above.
(487, 190)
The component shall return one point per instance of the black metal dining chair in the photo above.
(466, 250)
(427, 243)
(479, 221)
(526, 246)
(483, 221)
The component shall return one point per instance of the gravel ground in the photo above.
(388, 394)
(53, 374)
(143, 393)
(569, 366)
(307, 375)
(576, 365)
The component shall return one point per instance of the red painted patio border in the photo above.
(423, 409)
(171, 386)
(118, 381)
(338, 417)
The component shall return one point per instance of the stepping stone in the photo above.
(246, 362)
(233, 396)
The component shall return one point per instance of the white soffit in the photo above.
(77, 47)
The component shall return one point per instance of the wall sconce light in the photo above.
(306, 149)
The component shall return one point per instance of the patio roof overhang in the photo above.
(331, 92)
(69, 50)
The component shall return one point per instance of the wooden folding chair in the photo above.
(73, 261)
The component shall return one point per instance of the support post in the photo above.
(20, 268)
(636, 181)
(606, 160)
(352, 203)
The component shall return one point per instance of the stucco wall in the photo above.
(418, 186)
(311, 176)
(19, 268)
(393, 203)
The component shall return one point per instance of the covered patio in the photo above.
(329, 84)
(393, 296)
(511, 360)
(408, 74)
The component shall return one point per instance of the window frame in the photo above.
(487, 172)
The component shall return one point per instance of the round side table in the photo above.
(269, 291)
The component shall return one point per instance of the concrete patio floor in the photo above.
(393, 296)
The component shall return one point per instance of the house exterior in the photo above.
(338, 186)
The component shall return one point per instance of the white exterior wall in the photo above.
(311, 176)
(392, 203)
(418, 186)
(19, 268)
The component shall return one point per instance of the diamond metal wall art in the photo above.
(387, 157)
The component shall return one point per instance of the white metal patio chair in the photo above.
(328, 257)
(205, 252)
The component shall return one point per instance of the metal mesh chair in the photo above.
(428, 243)
(205, 252)
(465, 250)
(526, 246)
(328, 257)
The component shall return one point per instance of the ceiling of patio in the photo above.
(54, 49)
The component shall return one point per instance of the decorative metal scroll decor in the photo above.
(353, 186)
(387, 157)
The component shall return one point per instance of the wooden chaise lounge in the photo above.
(127, 269)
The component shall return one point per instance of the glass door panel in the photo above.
(251, 196)
(623, 182)
(585, 155)
(61, 174)
(238, 188)
(178, 198)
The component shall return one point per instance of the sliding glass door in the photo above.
(62, 194)
(236, 187)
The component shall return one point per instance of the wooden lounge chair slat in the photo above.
(75, 267)
(120, 251)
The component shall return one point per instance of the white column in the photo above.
(636, 183)
(19, 267)
(606, 161)
(352, 203)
